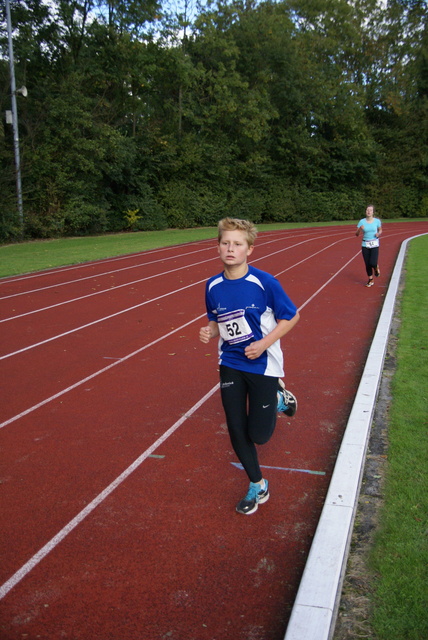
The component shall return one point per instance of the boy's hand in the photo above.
(205, 334)
(255, 350)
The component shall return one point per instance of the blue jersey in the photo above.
(246, 310)
(370, 230)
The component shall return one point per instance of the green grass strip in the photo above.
(37, 255)
(27, 257)
(400, 553)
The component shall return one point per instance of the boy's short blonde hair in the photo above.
(235, 224)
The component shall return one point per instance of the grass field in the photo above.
(399, 557)
(44, 254)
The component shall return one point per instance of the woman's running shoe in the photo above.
(255, 496)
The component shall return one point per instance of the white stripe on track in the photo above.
(97, 373)
(43, 552)
(114, 271)
(130, 355)
(93, 263)
(328, 281)
(90, 324)
(107, 273)
(97, 293)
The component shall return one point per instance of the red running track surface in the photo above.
(118, 480)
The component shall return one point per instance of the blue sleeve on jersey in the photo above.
(279, 302)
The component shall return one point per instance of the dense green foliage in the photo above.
(139, 118)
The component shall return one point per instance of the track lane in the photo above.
(182, 610)
(72, 315)
(56, 363)
(28, 301)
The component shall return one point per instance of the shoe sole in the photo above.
(264, 499)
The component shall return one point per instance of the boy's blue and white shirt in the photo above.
(246, 310)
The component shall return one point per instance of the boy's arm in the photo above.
(255, 349)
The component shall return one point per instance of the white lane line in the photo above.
(85, 265)
(329, 280)
(34, 561)
(119, 361)
(94, 322)
(95, 276)
(131, 256)
(296, 264)
(97, 373)
(110, 289)
(106, 273)
(97, 293)
(43, 552)
(25, 569)
(85, 326)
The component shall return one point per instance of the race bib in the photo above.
(234, 327)
(372, 243)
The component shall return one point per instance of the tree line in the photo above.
(146, 116)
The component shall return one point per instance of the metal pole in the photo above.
(15, 119)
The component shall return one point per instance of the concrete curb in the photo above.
(314, 612)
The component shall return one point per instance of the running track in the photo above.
(118, 481)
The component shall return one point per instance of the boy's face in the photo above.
(233, 248)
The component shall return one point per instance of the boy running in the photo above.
(249, 312)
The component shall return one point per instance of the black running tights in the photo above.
(250, 404)
(370, 257)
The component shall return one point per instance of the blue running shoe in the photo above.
(287, 401)
(254, 497)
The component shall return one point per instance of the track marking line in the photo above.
(97, 293)
(107, 273)
(97, 373)
(130, 355)
(28, 276)
(25, 569)
(328, 281)
(43, 552)
(238, 465)
(131, 282)
(91, 324)
(94, 263)
(141, 304)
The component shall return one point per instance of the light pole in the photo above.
(15, 118)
